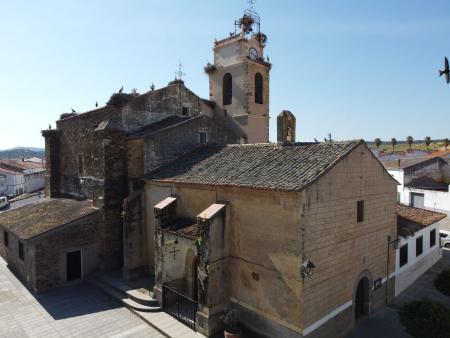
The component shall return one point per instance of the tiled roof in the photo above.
(183, 227)
(20, 165)
(288, 167)
(428, 183)
(411, 220)
(404, 163)
(44, 215)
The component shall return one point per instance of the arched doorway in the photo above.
(362, 298)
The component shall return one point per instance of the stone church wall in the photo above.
(50, 251)
(342, 248)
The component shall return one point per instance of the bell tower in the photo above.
(239, 78)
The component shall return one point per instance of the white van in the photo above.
(4, 203)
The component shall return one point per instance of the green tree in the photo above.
(378, 143)
(428, 141)
(394, 143)
(446, 143)
(410, 141)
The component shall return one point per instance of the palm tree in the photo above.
(428, 141)
(378, 143)
(446, 143)
(394, 143)
(410, 141)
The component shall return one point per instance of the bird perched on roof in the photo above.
(315, 140)
(121, 90)
(73, 110)
(96, 103)
(152, 86)
(49, 126)
(446, 71)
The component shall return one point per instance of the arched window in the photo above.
(227, 89)
(259, 88)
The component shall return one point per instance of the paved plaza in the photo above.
(76, 311)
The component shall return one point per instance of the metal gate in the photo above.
(180, 306)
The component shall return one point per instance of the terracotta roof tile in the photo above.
(183, 227)
(288, 167)
(411, 220)
(44, 215)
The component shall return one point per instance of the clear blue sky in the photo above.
(357, 69)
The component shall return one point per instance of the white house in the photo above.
(423, 182)
(15, 182)
(22, 176)
(418, 246)
(3, 185)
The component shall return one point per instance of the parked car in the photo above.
(4, 202)
(445, 238)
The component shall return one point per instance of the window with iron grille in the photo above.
(419, 246)
(404, 255)
(432, 238)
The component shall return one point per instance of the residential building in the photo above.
(33, 175)
(418, 247)
(14, 180)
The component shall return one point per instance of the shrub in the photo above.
(442, 282)
(426, 319)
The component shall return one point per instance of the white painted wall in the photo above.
(433, 200)
(34, 179)
(416, 266)
(15, 182)
(3, 185)
(399, 176)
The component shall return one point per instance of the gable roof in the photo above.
(411, 220)
(44, 215)
(285, 167)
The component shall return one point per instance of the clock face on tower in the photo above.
(253, 53)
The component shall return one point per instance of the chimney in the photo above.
(286, 127)
(399, 162)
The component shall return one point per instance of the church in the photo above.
(296, 237)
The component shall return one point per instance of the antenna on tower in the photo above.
(179, 73)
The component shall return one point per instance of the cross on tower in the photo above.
(179, 73)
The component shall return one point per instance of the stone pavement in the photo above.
(74, 311)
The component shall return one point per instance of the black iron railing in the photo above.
(180, 306)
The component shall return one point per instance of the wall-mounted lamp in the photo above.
(307, 268)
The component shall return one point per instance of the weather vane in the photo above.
(179, 73)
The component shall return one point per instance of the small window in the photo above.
(6, 238)
(403, 255)
(203, 137)
(432, 238)
(398, 197)
(360, 211)
(259, 88)
(80, 164)
(185, 111)
(21, 256)
(419, 246)
(442, 235)
(227, 89)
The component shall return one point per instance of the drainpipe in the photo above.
(387, 270)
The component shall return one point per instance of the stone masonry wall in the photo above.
(50, 251)
(340, 247)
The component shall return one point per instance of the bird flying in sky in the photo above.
(446, 71)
